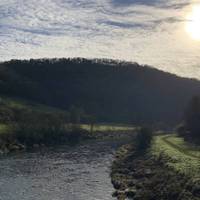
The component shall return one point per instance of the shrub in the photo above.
(192, 119)
(144, 138)
(181, 130)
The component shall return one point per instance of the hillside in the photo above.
(110, 90)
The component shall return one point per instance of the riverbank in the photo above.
(25, 125)
(178, 154)
(143, 177)
(9, 144)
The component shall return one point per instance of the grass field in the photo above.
(107, 127)
(178, 154)
(4, 128)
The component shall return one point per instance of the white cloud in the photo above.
(147, 31)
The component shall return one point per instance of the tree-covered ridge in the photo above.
(112, 91)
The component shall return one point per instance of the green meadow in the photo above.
(107, 127)
(177, 154)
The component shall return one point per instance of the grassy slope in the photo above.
(22, 104)
(4, 128)
(179, 155)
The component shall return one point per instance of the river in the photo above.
(65, 173)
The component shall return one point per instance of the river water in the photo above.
(65, 173)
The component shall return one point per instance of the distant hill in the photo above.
(111, 90)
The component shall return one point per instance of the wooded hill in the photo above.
(112, 91)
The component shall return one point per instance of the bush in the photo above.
(76, 134)
(144, 138)
(181, 130)
(35, 127)
(192, 119)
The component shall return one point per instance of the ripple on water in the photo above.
(77, 173)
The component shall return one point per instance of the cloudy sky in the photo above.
(161, 33)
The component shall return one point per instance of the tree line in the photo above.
(113, 91)
(190, 127)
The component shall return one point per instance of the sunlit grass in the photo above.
(4, 128)
(106, 127)
(178, 155)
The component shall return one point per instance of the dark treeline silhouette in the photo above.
(144, 139)
(190, 128)
(112, 91)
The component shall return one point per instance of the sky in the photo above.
(161, 33)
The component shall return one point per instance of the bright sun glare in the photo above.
(193, 23)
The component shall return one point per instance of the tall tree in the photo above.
(192, 118)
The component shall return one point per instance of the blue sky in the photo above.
(146, 31)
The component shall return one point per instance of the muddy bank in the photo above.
(140, 177)
(6, 148)
(113, 134)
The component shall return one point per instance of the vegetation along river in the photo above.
(65, 173)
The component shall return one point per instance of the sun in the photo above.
(193, 23)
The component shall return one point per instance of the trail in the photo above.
(179, 148)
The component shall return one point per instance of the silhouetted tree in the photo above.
(75, 114)
(91, 120)
(192, 118)
(181, 130)
(144, 138)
